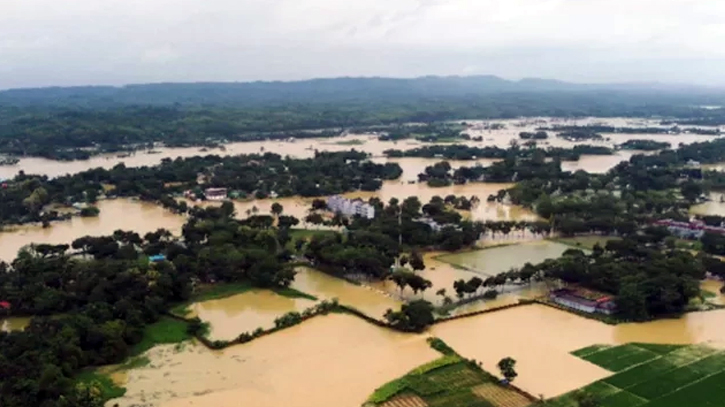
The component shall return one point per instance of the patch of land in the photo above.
(650, 375)
(585, 242)
(449, 381)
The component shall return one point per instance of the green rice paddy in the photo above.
(651, 375)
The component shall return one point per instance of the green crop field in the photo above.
(450, 381)
(650, 375)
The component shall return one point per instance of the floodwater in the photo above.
(231, 316)
(13, 324)
(442, 270)
(541, 338)
(334, 360)
(711, 207)
(137, 216)
(306, 147)
(364, 299)
(490, 262)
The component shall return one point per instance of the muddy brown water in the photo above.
(13, 324)
(335, 360)
(137, 216)
(231, 316)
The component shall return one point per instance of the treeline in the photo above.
(256, 175)
(430, 133)
(102, 299)
(464, 152)
(597, 128)
(645, 145)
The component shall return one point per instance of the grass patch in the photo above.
(297, 234)
(135, 363)
(165, 331)
(623, 399)
(109, 389)
(619, 358)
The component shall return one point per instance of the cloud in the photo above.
(45, 42)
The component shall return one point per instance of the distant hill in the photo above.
(342, 90)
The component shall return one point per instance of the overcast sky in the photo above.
(78, 42)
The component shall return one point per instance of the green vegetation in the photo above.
(102, 382)
(645, 145)
(585, 242)
(165, 331)
(651, 375)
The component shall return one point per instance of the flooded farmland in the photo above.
(323, 286)
(335, 360)
(231, 316)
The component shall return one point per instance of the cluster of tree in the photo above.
(414, 316)
(369, 247)
(464, 152)
(580, 135)
(647, 281)
(257, 175)
(430, 133)
(645, 145)
(108, 291)
(507, 170)
(539, 135)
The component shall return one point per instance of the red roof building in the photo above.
(4, 305)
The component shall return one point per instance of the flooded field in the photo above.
(140, 217)
(231, 316)
(489, 262)
(13, 324)
(335, 360)
(712, 207)
(363, 299)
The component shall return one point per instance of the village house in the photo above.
(584, 302)
(689, 230)
(215, 194)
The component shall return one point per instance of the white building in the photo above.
(350, 207)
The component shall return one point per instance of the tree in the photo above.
(414, 316)
(277, 209)
(506, 367)
(416, 261)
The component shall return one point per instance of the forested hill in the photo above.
(74, 123)
(536, 94)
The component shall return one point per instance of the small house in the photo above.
(584, 301)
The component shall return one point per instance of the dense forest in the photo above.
(72, 123)
(25, 198)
